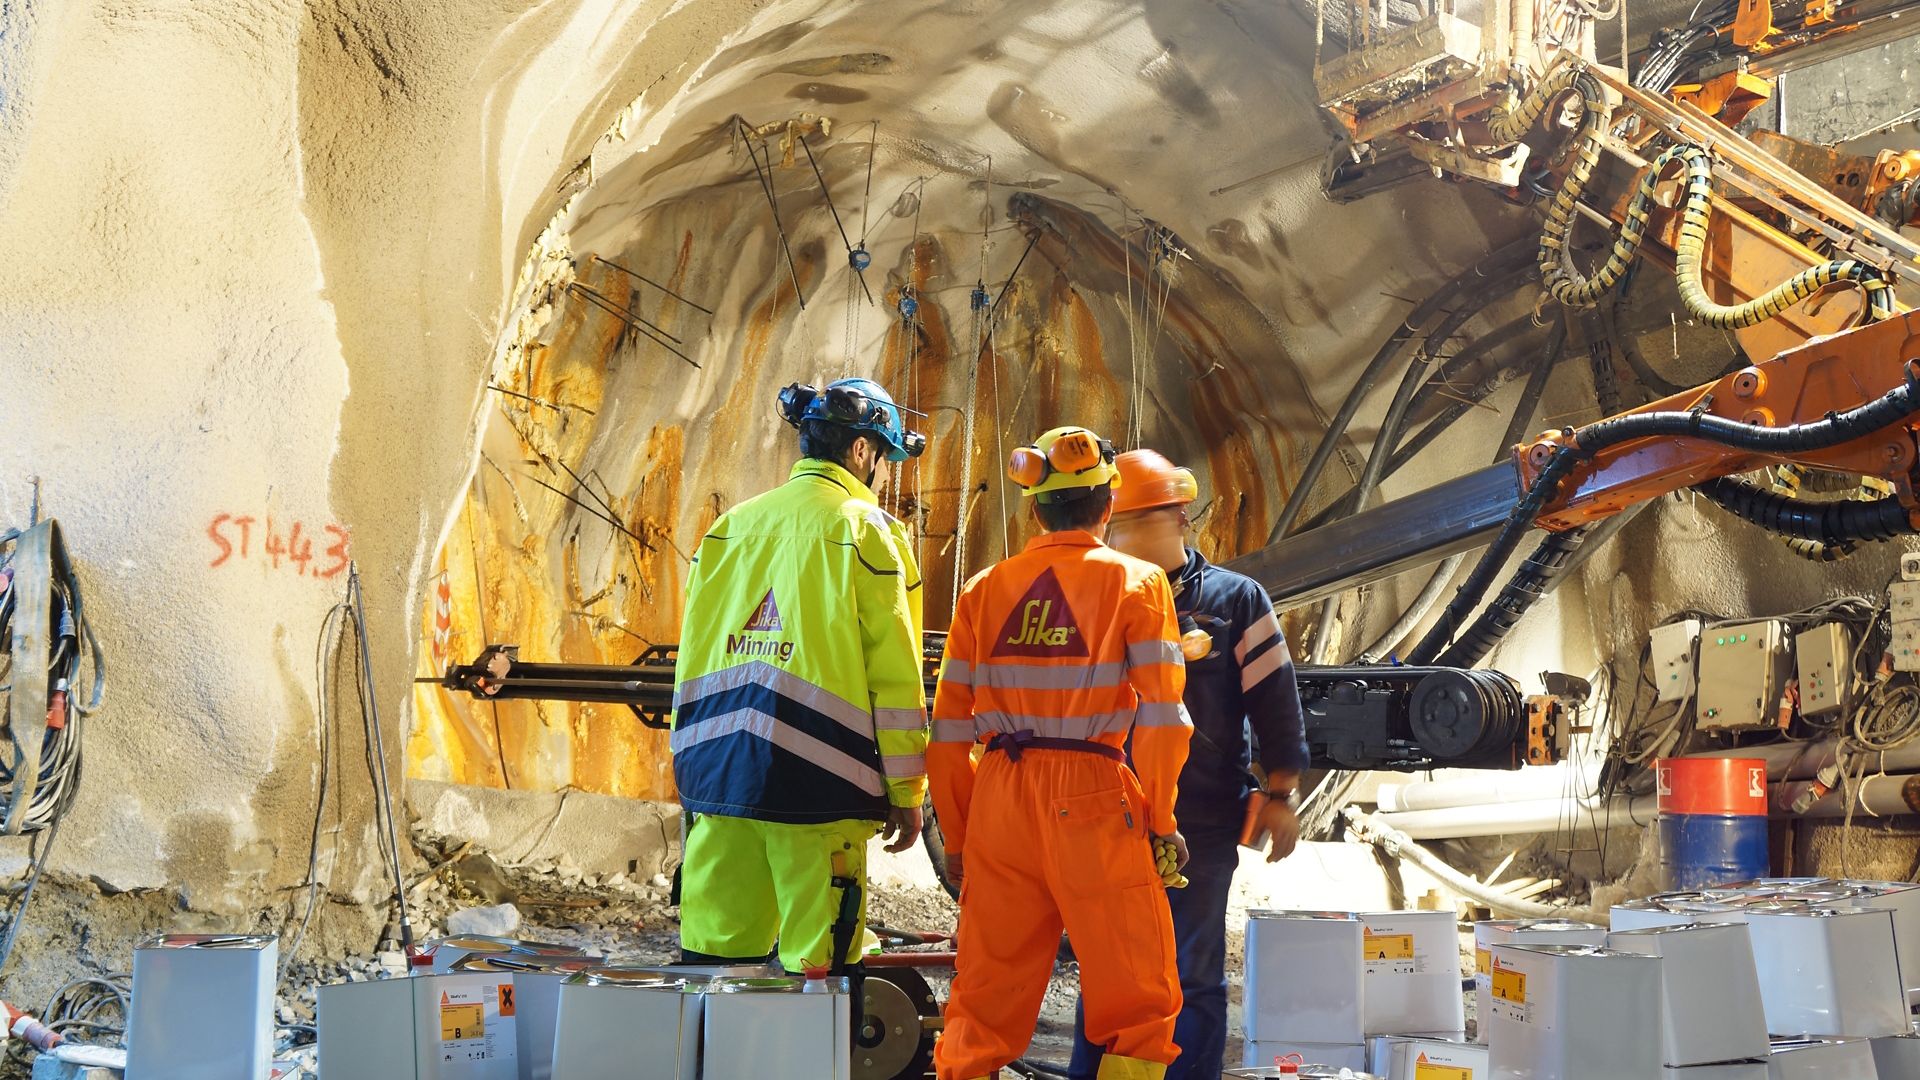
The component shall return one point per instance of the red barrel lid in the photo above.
(1723, 786)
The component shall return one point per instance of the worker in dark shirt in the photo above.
(1241, 693)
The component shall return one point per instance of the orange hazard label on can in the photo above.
(506, 999)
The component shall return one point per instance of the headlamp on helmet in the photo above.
(860, 404)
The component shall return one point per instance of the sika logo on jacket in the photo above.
(1041, 623)
(764, 620)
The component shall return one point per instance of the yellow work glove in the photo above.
(1166, 860)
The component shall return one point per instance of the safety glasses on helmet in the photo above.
(845, 404)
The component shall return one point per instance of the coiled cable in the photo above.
(1568, 286)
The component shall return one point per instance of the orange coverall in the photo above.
(1067, 640)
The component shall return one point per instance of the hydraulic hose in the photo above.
(1692, 246)
(1394, 423)
(1836, 428)
(1536, 577)
(1826, 523)
(1516, 430)
(1562, 281)
(1505, 259)
(1450, 374)
(1531, 394)
(1423, 603)
(1567, 285)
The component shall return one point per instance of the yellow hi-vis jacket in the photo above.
(798, 695)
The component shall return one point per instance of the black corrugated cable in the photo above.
(1836, 428)
(1827, 523)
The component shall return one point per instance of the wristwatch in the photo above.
(1290, 796)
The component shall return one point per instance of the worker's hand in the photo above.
(956, 870)
(1282, 827)
(1169, 856)
(1179, 848)
(903, 823)
(497, 667)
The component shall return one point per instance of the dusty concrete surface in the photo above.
(600, 834)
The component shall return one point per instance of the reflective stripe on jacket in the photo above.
(798, 695)
(1068, 639)
(1246, 681)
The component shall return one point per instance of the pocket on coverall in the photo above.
(1099, 842)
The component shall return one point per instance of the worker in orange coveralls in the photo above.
(1054, 657)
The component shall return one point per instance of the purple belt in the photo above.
(1015, 743)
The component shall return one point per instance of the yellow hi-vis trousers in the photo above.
(746, 884)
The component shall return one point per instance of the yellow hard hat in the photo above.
(1064, 459)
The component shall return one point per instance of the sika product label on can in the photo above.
(469, 1023)
(1520, 995)
(1390, 954)
(1432, 1070)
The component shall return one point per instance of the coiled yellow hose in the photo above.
(1568, 286)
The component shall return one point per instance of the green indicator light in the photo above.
(1743, 637)
(1719, 641)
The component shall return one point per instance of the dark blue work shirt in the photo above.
(1243, 696)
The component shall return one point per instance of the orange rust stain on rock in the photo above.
(918, 362)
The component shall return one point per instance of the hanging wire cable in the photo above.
(324, 673)
(42, 610)
(377, 752)
(765, 176)
(866, 198)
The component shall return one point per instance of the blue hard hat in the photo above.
(861, 404)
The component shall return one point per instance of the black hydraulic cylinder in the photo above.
(1407, 532)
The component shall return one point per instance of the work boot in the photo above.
(1115, 1067)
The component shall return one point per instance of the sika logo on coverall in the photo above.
(764, 620)
(1041, 624)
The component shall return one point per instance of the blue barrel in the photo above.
(1699, 851)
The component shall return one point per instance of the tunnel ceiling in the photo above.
(1151, 171)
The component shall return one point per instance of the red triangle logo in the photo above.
(444, 999)
(1041, 623)
(765, 618)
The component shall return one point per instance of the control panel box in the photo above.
(1903, 601)
(1673, 649)
(1905, 646)
(1824, 658)
(1743, 673)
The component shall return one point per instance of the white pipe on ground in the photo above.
(1374, 829)
(1526, 784)
(1516, 818)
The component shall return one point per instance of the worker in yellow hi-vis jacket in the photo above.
(800, 724)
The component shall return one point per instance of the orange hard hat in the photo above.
(1149, 481)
